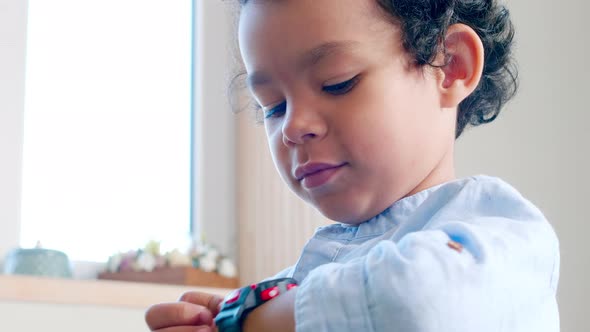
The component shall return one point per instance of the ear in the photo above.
(464, 65)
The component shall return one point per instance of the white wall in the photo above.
(541, 141)
(12, 84)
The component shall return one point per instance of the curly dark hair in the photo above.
(424, 24)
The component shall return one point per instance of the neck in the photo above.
(443, 172)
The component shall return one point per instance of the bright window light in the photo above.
(107, 125)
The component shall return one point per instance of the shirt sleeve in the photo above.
(286, 273)
(502, 277)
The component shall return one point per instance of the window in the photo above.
(107, 136)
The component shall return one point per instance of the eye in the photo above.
(341, 88)
(276, 111)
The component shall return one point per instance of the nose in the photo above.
(301, 125)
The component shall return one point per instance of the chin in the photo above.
(351, 211)
(335, 207)
(344, 216)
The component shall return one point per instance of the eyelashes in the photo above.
(341, 88)
(276, 111)
(335, 90)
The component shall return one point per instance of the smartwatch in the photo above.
(239, 303)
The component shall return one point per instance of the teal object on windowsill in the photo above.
(38, 262)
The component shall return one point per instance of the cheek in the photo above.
(410, 107)
(392, 120)
(278, 151)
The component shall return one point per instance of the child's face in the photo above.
(356, 109)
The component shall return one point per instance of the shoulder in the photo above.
(484, 196)
(491, 205)
(499, 226)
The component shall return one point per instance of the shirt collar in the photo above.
(401, 210)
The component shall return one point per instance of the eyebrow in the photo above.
(307, 59)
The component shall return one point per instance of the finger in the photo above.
(210, 301)
(187, 329)
(164, 315)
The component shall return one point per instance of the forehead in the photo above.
(275, 31)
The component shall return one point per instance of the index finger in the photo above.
(209, 301)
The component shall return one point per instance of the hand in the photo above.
(193, 312)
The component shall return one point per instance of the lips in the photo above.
(309, 169)
(315, 174)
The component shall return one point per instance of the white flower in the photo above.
(145, 262)
(212, 254)
(176, 258)
(207, 264)
(227, 268)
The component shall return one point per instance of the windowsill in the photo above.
(92, 292)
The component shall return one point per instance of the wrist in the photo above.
(272, 316)
(241, 302)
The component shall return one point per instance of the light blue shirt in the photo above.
(398, 272)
